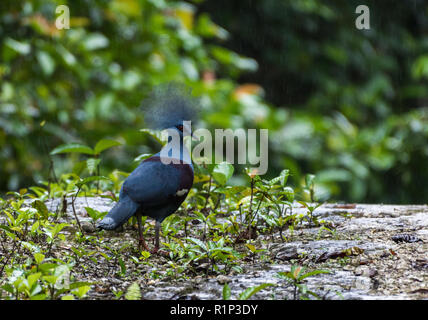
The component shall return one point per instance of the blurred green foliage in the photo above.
(349, 104)
(87, 83)
(356, 100)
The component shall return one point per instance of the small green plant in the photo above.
(92, 163)
(133, 292)
(215, 232)
(310, 186)
(295, 276)
(215, 251)
(117, 294)
(42, 279)
(247, 293)
(323, 229)
(95, 215)
(311, 208)
(253, 250)
(118, 257)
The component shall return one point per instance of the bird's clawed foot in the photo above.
(142, 245)
(157, 251)
(160, 252)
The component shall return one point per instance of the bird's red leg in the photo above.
(156, 248)
(141, 244)
(157, 229)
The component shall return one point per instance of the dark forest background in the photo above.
(347, 105)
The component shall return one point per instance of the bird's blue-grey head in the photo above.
(171, 106)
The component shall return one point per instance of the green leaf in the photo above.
(228, 57)
(133, 292)
(32, 278)
(251, 247)
(79, 284)
(420, 67)
(95, 41)
(30, 246)
(68, 58)
(309, 180)
(303, 203)
(35, 226)
(47, 267)
(39, 191)
(285, 275)
(62, 272)
(81, 291)
(72, 147)
(38, 257)
(157, 135)
(6, 228)
(226, 292)
(58, 227)
(19, 47)
(289, 193)
(79, 166)
(47, 63)
(143, 156)
(8, 288)
(105, 144)
(198, 243)
(94, 214)
(122, 265)
(282, 178)
(41, 296)
(296, 271)
(91, 179)
(145, 254)
(253, 290)
(50, 279)
(41, 208)
(92, 164)
(230, 190)
(222, 172)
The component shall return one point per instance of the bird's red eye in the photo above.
(180, 127)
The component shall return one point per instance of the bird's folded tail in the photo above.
(119, 214)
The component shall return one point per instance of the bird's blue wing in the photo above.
(152, 182)
(155, 187)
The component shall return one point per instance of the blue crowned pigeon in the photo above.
(158, 186)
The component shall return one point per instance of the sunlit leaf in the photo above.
(105, 144)
(222, 172)
(92, 164)
(41, 208)
(143, 156)
(91, 179)
(95, 41)
(47, 63)
(72, 147)
(253, 290)
(226, 292)
(19, 47)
